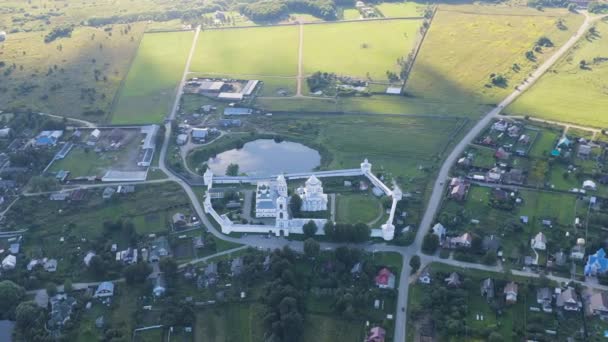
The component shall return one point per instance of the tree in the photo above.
(489, 258)
(311, 248)
(169, 267)
(415, 263)
(51, 289)
(309, 228)
(232, 170)
(30, 322)
(67, 286)
(11, 295)
(295, 204)
(137, 273)
(430, 243)
(572, 7)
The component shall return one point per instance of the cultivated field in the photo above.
(149, 89)
(264, 51)
(467, 44)
(400, 9)
(76, 76)
(572, 93)
(363, 49)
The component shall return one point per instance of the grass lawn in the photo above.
(385, 104)
(545, 143)
(230, 322)
(354, 208)
(570, 93)
(397, 144)
(149, 89)
(81, 162)
(358, 49)
(468, 43)
(263, 51)
(401, 9)
(54, 77)
(321, 328)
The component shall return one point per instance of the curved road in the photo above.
(259, 241)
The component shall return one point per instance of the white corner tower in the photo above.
(366, 167)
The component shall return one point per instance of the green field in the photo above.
(321, 328)
(149, 88)
(263, 51)
(355, 208)
(570, 93)
(401, 9)
(358, 49)
(467, 44)
(233, 322)
(76, 76)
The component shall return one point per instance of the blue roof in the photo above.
(45, 141)
(555, 152)
(597, 263)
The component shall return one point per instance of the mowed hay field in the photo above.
(358, 49)
(76, 76)
(149, 88)
(569, 93)
(263, 51)
(466, 44)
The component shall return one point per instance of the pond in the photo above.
(266, 157)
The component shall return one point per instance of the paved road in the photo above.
(439, 186)
(263, 242)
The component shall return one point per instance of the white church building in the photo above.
(313, 198)
(272, 201)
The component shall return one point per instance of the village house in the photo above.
(494, 175)
(584, 151)
(158, 285)
(462, 241)
(568, 300)
(490, 243)
(453, 280)
(9, 262)
(425, 276)
(596, 263)
(578, 252)
(589, 185)
(514, 176)
(459, 188)
(108, 193)
(236, 266)
(597, 304)
(510, 291)
(159, 248)
(539, 242)
(385, 279)
(61, 312)
(487, 289)
(104, 289)
(376, 334)
(179, 221)
(500, 126)
(544, 297)
(513, 131)
(440, 231)
(48, 138)
(501, 154)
